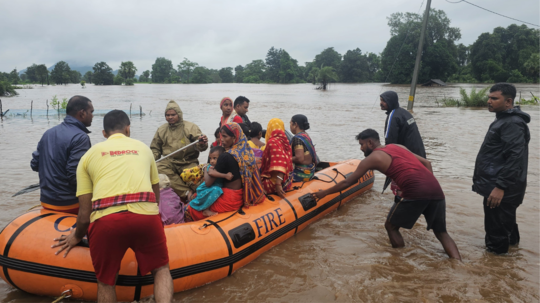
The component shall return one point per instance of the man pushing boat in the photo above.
(421, 192)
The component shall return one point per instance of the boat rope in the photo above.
(35, 206)
(239, 211)
(340, 193)
(66, 294)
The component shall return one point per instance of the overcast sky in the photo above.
(217, 34)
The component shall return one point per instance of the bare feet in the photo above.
(209, 213)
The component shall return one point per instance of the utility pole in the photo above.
(418, 57)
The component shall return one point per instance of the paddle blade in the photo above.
(27, 189)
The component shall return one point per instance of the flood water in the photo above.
(346, 256)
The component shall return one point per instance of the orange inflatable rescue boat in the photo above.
(199, 252)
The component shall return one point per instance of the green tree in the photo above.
(214, 76)
(326, 75)
(201, 74)
(146, 76)
(288, 68)
(14, 77)
(494, 56)
(313, 75)
(273, 64)
(226, 75)
(118, 80)
(103, 74)
(31, 73)
(127, 70)
(161, 70)
(75, 76)
(42, 74)
(354, 67)
(532, 67)
(254, 72)
(61, 73)
(374, 67)
(88, 76)
(186, 68)
(439, 51)
(328, 57)
(239, 74)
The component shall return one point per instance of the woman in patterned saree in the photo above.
(244, 186)
(304, 155)
(277, 167)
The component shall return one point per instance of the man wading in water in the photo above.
(118, 190)
(420, 190)
(400, 128)
(500, 173)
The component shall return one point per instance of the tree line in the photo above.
(509, 54)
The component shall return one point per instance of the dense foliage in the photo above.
(509, 54)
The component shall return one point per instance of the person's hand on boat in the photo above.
(66, 242)
(280, 191)
(319, 195)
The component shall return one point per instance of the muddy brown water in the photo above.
(346, 256)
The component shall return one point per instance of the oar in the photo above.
(34, 187)
(179, 150)
(27, 189)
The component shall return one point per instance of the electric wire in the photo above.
(492, 12)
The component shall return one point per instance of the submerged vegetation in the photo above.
(6, 89)
(474, 99)
(479, 99)
(532, 101)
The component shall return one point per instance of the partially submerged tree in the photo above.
(102, 74)
(61, 73)
(186, 68)
(326, 76)
(127, 71)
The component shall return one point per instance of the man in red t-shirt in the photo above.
(421, 192)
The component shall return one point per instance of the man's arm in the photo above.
(513, 139)
(83, 221)
(368, 163)
(392, 128)
(79, 147)
(34, 164)
(156, 146)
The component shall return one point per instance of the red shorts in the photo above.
(109, 238)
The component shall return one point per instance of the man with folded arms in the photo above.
(118, 190)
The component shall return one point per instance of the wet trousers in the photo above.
(173, 171)
(500, 225)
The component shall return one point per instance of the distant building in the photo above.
(434, 82)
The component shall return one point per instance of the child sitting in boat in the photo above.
(171, 207)
(210, 190)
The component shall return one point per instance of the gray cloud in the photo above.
(216, 33)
